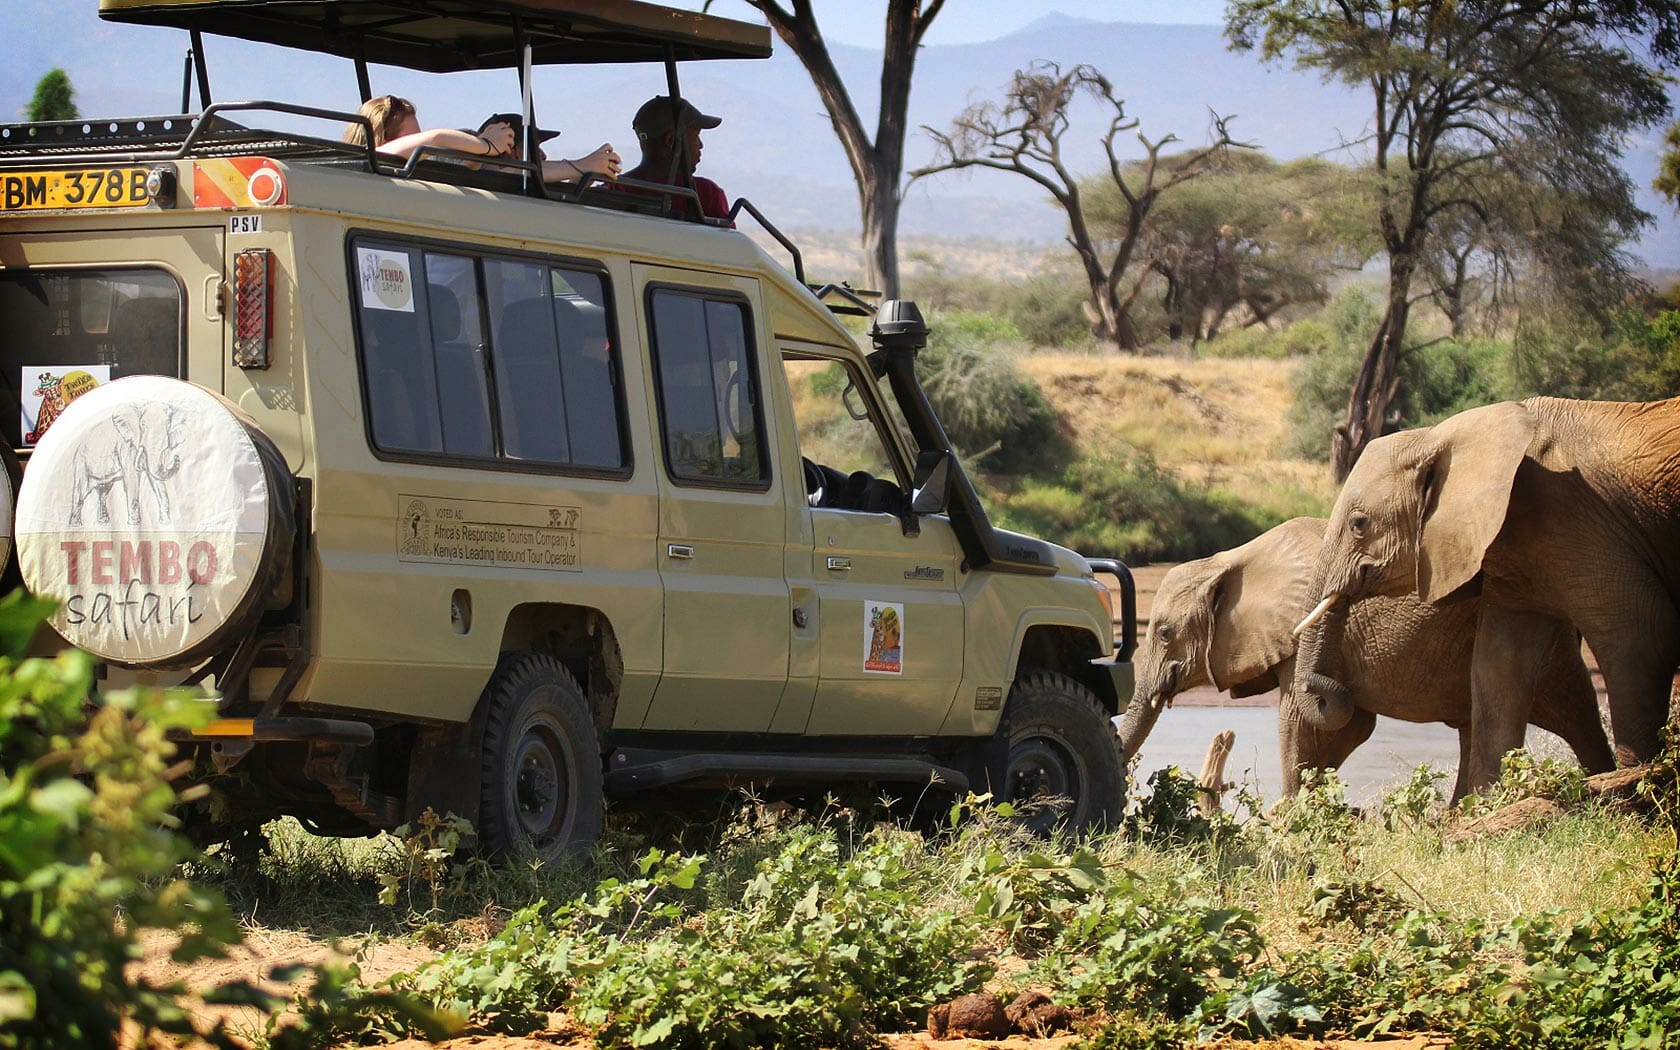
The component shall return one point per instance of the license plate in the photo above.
(80, 188)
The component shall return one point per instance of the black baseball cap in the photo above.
(654, 118)
(517, 123)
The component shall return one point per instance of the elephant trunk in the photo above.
(1139, 721)
(1322, 700)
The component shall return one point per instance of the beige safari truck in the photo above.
(465, 492)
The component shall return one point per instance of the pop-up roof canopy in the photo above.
(444, 36)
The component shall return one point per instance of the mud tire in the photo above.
(1064, 767)
(539, 761)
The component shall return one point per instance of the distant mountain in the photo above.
(776, 145)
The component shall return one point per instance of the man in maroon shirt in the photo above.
(656, 131)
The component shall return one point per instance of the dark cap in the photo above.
(654, 118)
(517, 123)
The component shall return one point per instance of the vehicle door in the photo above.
(890, 616)
(722, 519)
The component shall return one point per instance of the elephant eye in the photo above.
(1358, 522)
(1164, 632)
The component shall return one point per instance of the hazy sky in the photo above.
(859, 22)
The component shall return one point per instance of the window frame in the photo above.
(880, 416)
(766, 447)
(499, 461)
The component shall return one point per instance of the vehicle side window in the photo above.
(488, 357)
(61, 329)
(708, 389)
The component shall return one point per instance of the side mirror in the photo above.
(931, 489)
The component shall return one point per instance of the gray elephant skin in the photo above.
(1226, 621)
(139, 451)
(1548, 510)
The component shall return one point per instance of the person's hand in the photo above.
(604, 162)
(499, 137)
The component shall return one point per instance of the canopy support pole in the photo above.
(679, 137)
(363, 84)
(186, 82)
(203, 70)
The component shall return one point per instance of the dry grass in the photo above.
(1217, 421)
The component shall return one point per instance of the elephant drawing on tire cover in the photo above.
(1225, 621)
(1548, 509)
(141, 447)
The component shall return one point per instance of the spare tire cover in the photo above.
(161, 519)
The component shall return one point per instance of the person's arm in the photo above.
(604, 162)
(497, 138)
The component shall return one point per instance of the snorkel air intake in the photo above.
(899, 334)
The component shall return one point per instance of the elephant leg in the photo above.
(1638, 668)
(1511, 648)
(1566, 703)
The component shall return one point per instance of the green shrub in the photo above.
(1130, 507)
(1301, 338)
(996, 417)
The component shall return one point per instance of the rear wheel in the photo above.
(1064, 768)
(540, 763)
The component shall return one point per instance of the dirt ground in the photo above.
(265, 950)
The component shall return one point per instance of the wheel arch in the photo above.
(1068, 648)
(580, 637)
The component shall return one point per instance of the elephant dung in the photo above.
(976, 1016)
(1032, 1013)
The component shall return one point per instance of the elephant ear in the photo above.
(1257, 600)
(1465, 490)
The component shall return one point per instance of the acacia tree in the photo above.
(1024, 135)
(1667, 182)
(1247, 240)
(878, 164)
(54, 98)
(1545, 89)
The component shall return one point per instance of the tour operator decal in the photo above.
(883, 637)
(480, 532)
(49, 389)
(144, 513)
(387, 280)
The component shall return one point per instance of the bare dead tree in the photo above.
(1024, 135)
(878, 165)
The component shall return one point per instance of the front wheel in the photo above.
(540, 763)
(1065, 767)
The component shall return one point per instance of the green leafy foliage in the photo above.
(1522, 776)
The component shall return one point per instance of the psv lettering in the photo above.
(108, 562)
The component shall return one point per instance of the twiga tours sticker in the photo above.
(387, 280)
(144, 512)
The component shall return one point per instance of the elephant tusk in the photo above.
(1318, 613)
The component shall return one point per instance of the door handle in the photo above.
(679, 550)
(839, 564)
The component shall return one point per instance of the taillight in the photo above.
(253, 279)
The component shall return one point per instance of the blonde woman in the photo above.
(396, 130)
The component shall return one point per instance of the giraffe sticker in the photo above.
(883, 637)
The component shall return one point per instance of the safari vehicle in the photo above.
(468, 493)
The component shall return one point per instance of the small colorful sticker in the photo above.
(48, 389)
(387, 282)
(883, 637)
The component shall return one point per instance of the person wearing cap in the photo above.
(396, 130)
(655, 126)
(604, 162)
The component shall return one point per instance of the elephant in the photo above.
(1225, 621)
(1547, 509)
(141, 447)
